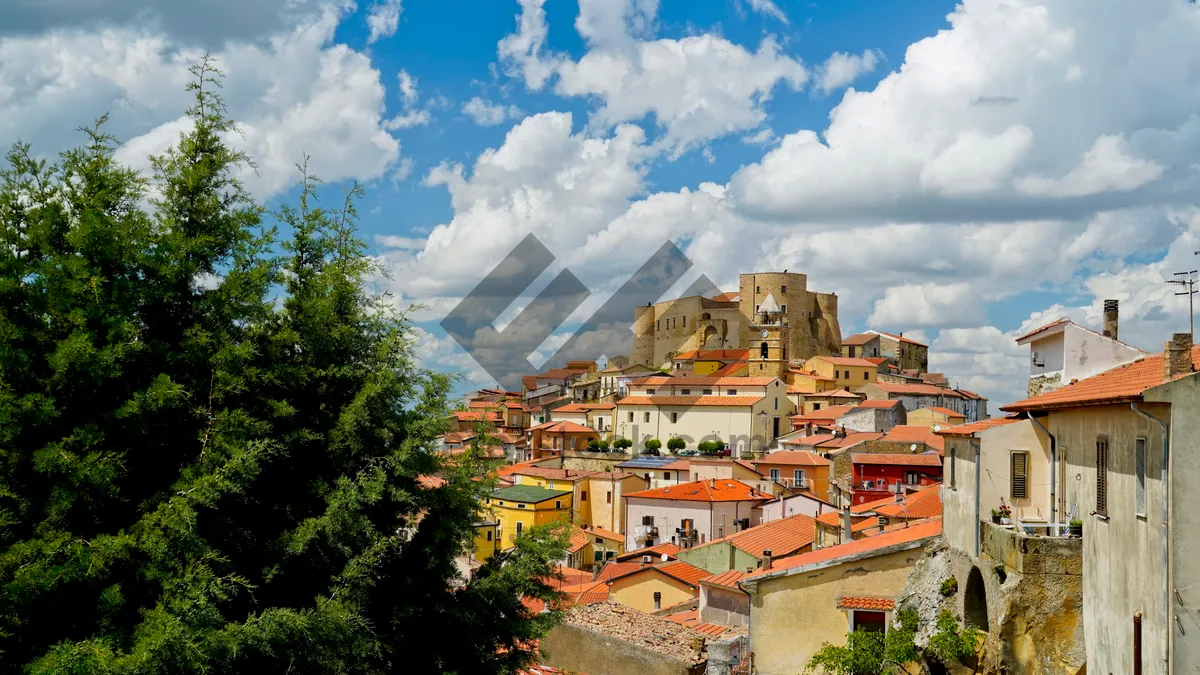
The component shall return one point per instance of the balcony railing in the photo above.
(801, 484)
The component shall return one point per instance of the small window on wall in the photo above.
(1139, 466)
(1020, 475)
(953, 468)
(557, 504)
(731, 392)
(708, 392)
(685, 392)
(1102, 475)
(647, 417)
(674, 417)
(630, 415)
(489, 535)
(657, 600)
(520, 527)
(866, 376)
(583, 496)
(783, 308)
(783, 289)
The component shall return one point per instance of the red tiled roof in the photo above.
(561, 373)
(836, 393)
(725, 579)
(884, 404)
(686, 618)
(850, 439)
(666, 548)
(1123, 384)
(915, 533)
(738, 401)
(902, 338)
(976, 427)
(793, 457)
(723, 490)
(563, 426)
(924, 503)
(915, 433)
(859, 339)
(732, 369)
(582, 407)
(529, 382)
(699, 380)
(808, 441)
(781, 537)
(895, 459)
(603, 533)
(914, 389)
(877, 360)
(710, 629)
(866, 602)
(846, 361)
(811, 375)
(824, 414)
(476, 415)
(513, 468)
(943, 411)
(726, 297)
(676, 569)
(613, 570)
(430, 482)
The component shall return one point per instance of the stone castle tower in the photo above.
(770, 339)
(722, 322)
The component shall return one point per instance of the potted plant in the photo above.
(675, 445)
(1076, 527)
(622, 444)
(652, 446)
(1005, 513)
(995, 516)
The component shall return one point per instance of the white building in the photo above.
(1063, 351)
(690, 514)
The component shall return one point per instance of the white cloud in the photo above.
(763, 136)
(1106, 166)
(412, 116)
(840, 69)
(383, 20)
(924, 305)
(488, 114)
(697, 88)
(408, 86)
(768, 8)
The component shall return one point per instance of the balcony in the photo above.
(802, 484)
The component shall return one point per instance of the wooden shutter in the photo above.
(1102, 475)
(1020, 475)
(953, 467)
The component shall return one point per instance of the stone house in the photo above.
(1062, 351)
(614, 380)
(877, 415)
(936, 417)
(1129, 443)
(901, 352)
(840, 588)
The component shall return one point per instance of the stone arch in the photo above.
(710, 339)
(975, 614)
(705, 316)
(763, 350)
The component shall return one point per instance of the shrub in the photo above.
(676, 444)
(950, 642)
(622, 444)
(653, 444)
(604, 445)
(949, 587)
(594, 445)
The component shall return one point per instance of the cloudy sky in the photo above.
(958, 172)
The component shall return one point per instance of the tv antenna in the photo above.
(1186, 281)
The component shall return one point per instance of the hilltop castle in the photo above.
(774, 315)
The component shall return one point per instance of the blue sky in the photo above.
(960, 172)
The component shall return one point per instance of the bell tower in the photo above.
(769, 341)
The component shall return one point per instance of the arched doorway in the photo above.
(712, 340)
(975, 613)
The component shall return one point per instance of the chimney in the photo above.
(1177, 355)
(1110, 319)
(882, 522)
(847, 525)
(766, 559)
(645, 560)
(712, 482)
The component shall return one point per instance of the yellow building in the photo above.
(936, 416)
(595, 495)
(591, 547)
(840, 588)
(650, 588)
(487, 542)
(520, 507)
(846, 373)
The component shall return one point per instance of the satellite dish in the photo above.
(913, 447)
(664, 557)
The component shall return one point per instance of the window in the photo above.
(953, 467)
(657, 600)
(520, 506)
(685, 392)
(648, 521)
(837, 374)
(666, 475)
(608, 500)
(816, 406)
(758, 289)
(658, 325)
(674, 417)
(599, 555)
(1102, 475)
(557, 504)
(1139, 465)
(708, 392)
(685, 322)
(583, 496)
(731, 392)
(520, 526)
(783, 289)
(489, 535)
(572, 443)
(630, 415)
(649, 392)
(798, 476)
(866, 376)
(872, 622)
(1019, 475)
(774, 474)
(777, 403)
(756, 308)
(686, 524)
(912, 477)
(647, 418)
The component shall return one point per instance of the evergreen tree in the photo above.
(211, 437)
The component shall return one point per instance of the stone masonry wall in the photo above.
(610, 639)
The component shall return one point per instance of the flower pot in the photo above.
(996, 519)
(1076, 530)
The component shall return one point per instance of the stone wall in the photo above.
(1043, 384)
(582, 460)
(1033, 614)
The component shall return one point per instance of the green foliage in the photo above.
(653, 444)
(710, 447)
(594, 444)
(950, 642)
(1076, 523)
(676, 444)
(899, 645)
(622, 444)
(211, 437)
(604, 445)
(862, 655)
(949, 587)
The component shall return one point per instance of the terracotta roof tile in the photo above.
(723, 490)
(698, 380)
(976, 427)
(732, 369)
(781, 537)
(710, 629)
(668, 549)
(561, 373)
(895, 459)
(859, 339)
(924, 503)
(687, 618)
(738, 401)
(1053, 324)
(846, 361)
(612, 570)
(676, 569)
(824, 414)
(902, 338)
(850, 439)
(1122, 384)
(793, 458)
(876, 404)
(915, 433)
(914, 389)
(866, 602)
(476, 415)
(725, 579)
(563, 426)
(529, 382)
(915, 533)
(714, 355)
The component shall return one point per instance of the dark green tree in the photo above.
(212, 438)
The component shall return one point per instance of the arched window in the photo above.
(764, 350)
